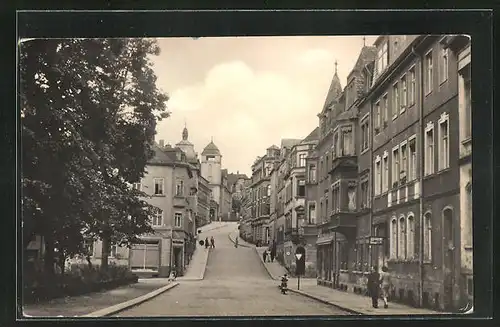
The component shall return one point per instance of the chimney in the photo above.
(237, 172)
(162, 143)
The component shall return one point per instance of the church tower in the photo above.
(211, 161)
(187, 147)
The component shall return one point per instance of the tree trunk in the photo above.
(106, 246)
(89, 261)
(49, 257)
(62, 261)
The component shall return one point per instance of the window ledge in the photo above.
(443, 81)
(394, 117)
(428, 93)
(159, 195)
(411, 105)
(444, 170)
(468, 247)
(467, 140)
(402, 110)
(365, 150)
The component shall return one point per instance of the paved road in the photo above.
(235, 284)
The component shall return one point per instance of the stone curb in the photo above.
(265, 267)
(243, 245)
(202, 275)
(326, 302)
(131, 303)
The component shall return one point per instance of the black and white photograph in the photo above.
(246, 176)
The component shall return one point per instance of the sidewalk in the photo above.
(196, 268)
(354, 303)
(274, 269)
(89, 303)
(232, 237)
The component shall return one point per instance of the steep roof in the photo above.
(160, 156)
(334, 91)
(273, 147)
(288, 143)
(313, 136)
(211, 149)
(367, 55)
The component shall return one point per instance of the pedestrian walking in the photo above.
(273, 251)
(374, 286)
(212, 242)
(206, 243)
(385, 283)
(236, 242)
(264, 255)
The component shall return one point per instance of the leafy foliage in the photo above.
(88, 110)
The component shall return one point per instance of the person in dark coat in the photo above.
(273, 251)
(212, 242)
(206, 243)
(264, 255)
(374, 286)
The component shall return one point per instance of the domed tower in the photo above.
(187, 147)
(211, 161)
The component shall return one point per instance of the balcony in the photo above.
(345, 160)
(180, 201)
(343, 222)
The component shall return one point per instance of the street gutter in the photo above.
(326, 302)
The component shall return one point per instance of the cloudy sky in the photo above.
(248, 92)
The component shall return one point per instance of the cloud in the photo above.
(314, 56)
(243, 109)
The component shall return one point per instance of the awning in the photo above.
(322, 240)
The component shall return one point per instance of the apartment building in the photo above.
(415, 205)
(261, 193)
(461, 47)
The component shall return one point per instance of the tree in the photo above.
(88, 110)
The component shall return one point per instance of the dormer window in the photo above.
(382, 59)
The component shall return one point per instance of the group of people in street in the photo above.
(209, 243)
(379, 286)
(270, 253)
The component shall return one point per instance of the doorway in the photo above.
(177, 262)
(449, 257)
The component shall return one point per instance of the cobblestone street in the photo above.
(235, 284)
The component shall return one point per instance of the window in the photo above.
(113, 250)
(89, 247)
(312, 173)
(428, 73)
(413, 87)
(395, 167)
(364, 194)
(395, 100)
(404, 94)
(335, 198)
(209, 172)
(410, 237)
(301, 188)
(137, 186)
(351, 196)
(402, 239)
(382, 58)
(157, 219)
(444, 146)
(386, 110)
(335, 146)
(179, 188)
(385, 173)
(268, 190)
(443, 71)
(376, 123)
(468, 104)
(178, 220)
(377, 177)
(412, 166)
(365, 135)
(427, 237)
(393, 242)
(347, 141)
(302, 160)
(429, 149)
(404, 163)
(159, 186)
(312, 214)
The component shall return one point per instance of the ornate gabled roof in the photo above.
(211, 149)
(187, 146)
(273, 147)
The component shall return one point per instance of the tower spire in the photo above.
(364, 40)
(185, 131)
(211, 138)
(335, 67)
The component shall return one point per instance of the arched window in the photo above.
(402, 238)
(394, 238)
(428, 237)
(410, 236)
